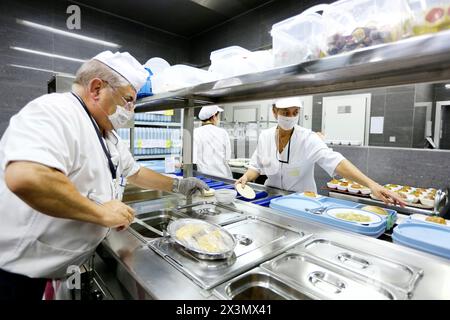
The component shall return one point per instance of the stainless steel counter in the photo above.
(147, 275)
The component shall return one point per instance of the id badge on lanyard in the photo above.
(118, 185)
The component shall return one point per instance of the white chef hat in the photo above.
(288, 102)
(125, 65)
(208, 111)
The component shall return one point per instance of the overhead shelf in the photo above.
(418, 59)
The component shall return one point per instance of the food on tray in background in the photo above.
(359, 38)
(208, 193)
(343, 186)
(416, 193)
(427, 200)
(355, 188)
(375, 209)
(310, 194)
(351, 216)
(436, 219)
(333, 184)
(433, 20)
(365, 190)
(411, 198)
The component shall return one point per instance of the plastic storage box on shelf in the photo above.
(355, 24)
(299, 38)
(430, 16)
(180, 76)
(233, 61)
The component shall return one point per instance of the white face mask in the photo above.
(287, 123)
(120, 118)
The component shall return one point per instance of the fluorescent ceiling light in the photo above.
(47, 54)
(39, 69)
(66, 33)
(447, 86)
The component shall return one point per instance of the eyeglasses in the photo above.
(129, 105)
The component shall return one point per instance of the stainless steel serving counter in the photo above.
(400, 272)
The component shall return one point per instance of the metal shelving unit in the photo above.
(151, 124)
(150, 157)
(157, 124)
(418, 59)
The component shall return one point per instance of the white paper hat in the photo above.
(288, 102)
(208, 111)
(125, 65)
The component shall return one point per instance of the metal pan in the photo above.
(196, 235)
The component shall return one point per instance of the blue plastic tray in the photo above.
(259, 195)
(215, 184)
(226, 186)
(422, 236)
(266, 201)
(296, 204)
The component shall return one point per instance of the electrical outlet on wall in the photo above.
(392, 139)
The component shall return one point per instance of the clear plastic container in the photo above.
(233, 61)
(180, 76)
(298, 38)
(430, 16)
(355, 24)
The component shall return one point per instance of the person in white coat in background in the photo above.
(288, 153)
(212, 148)
(63, 170)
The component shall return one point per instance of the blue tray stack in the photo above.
(424, 236)
(297, 204)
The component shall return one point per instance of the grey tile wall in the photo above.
(420, 114)
(18, 86)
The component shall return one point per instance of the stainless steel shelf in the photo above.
(157, 124)
(419, 59)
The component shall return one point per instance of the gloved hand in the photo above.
(188, 186)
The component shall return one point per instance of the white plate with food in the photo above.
(431, 219)
(311, 194)
(354, 215)
(204, 239)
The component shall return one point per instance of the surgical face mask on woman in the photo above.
(287, 123)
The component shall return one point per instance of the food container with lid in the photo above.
(355, 24)
(298, 38)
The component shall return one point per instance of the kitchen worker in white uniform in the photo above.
(212, 148)
(63, 171)
(288, 153)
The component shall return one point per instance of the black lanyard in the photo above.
(112, 168)
(289, 148)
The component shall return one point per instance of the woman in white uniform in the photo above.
(212, 148)
(62, 173)
(288, 153)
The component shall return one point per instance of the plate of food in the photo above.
(310, 194)
(354, 215)
(203, 239)
(431, 219)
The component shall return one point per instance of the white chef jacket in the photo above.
(212, 150)
(55, 130)
(306, 150)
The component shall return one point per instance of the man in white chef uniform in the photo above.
(212, 148)
(63, 172)
(287, 154)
